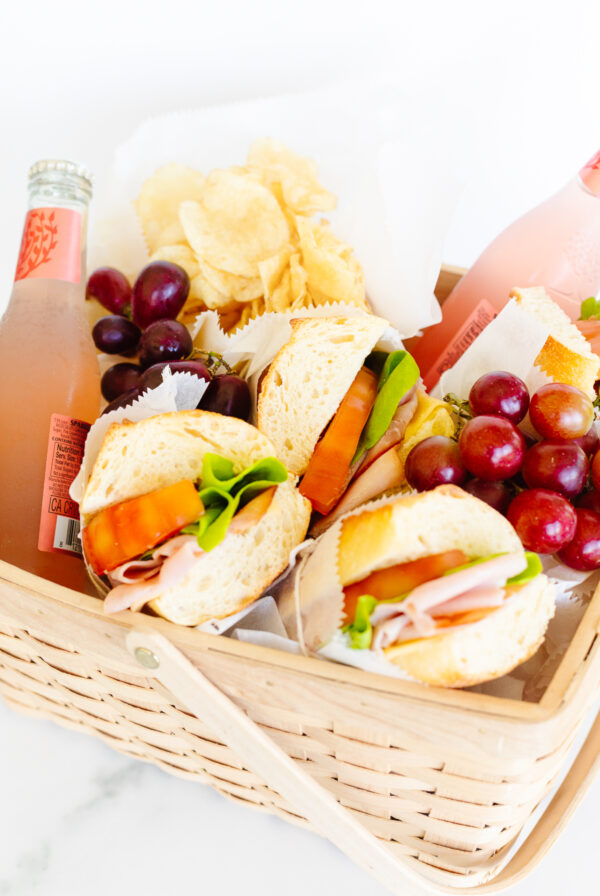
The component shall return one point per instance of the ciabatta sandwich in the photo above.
(437, 584)
(189, 513)
(343, 413)
(566, 356)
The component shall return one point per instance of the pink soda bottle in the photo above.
(555, 245)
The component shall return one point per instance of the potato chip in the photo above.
(234, 288)
(254, 309)
(158, 203)
(237, 224)
(271, 269)
(246, 236)
(280, 298)
(181, 255)
(329, 276)
(298, 278)
(298, 177)
(202, 290)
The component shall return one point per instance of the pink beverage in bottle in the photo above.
(555, 245)
(49, 380)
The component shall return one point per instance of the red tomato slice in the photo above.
(327, 472)
(126, 530)
(385, 584)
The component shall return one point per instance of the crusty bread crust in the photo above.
(566, 356)
(419, 525)
(136, 458)
(443, 519)
(307, 380)
(484, 650)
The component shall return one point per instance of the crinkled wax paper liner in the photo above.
(177, 392)
(256, 344)
(396, 191)
(311, 602)
(512, 341)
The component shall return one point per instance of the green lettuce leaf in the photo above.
(590, 309)
(533, 568)
(361, 630)
(398, 375)
(223, 493)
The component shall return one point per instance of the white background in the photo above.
(523, 83)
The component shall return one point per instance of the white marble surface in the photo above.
(522, 79)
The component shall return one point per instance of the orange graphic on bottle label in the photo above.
(59, 522)
(483, 314)
(51, 245)
(590, 174)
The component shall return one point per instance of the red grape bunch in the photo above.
(549, 489)
(143, 322)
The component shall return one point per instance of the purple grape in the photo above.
(491, 447)
(164, 340)
(590, 500)
(159, 292)
(227, 394)
(116, 335)
(496, 494)
(152, 377)
(557, 465)
(122, 401)
(544, 520)
(111, 288)
(583, 551)
(434, 461)
(500, 394)
(119, 379)
(590, 442)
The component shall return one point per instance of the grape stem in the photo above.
(461, 411)
(213, 360)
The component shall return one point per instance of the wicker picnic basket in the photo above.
(410, 781)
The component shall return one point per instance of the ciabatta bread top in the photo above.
(137, 458)
(308, 379)
(485, 649)
(407, 528)
(566, 356)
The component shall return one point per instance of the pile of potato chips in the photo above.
(247, 236)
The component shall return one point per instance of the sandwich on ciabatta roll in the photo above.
(190, 513)
(437, 584)
(343, 409)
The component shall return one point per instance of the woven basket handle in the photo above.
(266, 759)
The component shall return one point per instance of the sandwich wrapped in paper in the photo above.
(533, 338)
(343, 411)
(436, 584)
(189, 513)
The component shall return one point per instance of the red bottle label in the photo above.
(477, 321)
(590, 174)
(51, 245)
(59, 522)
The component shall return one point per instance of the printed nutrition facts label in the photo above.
(59, 523)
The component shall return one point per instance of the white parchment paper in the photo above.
(396, 191)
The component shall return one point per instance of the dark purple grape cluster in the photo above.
(549, 489)
(143, 322)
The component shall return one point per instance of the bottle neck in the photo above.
(590, 175)
(53, 246)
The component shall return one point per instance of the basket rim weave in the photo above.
(569, 678)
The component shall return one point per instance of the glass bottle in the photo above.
(555, 245)
(49, 379)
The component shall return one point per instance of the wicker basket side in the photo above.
(425, 801)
